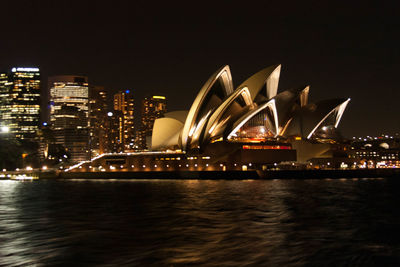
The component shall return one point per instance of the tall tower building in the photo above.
(5, 86)
(115, 128)
(69, 114)
(23, 111)
(99, 133)
(124, 103)
(71, 91)
(152, 108)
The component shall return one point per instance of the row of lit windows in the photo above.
(26, 99)
(82, 92)
(389, 157)
(29, 94)
(25, 110)
(62, 84)
(179, 158)
(80, 106)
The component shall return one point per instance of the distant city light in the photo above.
(25, 69)
(44, 123)
(5, 129)
(109, 114)
(127, 91)
(158, 97)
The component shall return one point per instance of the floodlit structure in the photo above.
(252, 127)
(253, 113)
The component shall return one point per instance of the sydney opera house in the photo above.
(252, 126)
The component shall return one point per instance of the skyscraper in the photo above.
(72, 91)
(69, 114)
(115, 129)
(22, 114)
(5, 86)
(124, 102)
(99, 141)
(152, 108)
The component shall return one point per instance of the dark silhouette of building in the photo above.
(115, 126)
(99, 133)
(152, 108)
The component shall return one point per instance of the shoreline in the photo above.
(220, 175)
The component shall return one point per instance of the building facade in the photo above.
(71, 91)
(99, 141)
(69, 114)
(153, 107)
(377, 152)
(5, 86)
(21, 112)
(124, 107)
(115, 127)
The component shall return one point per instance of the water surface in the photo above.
(348, 222)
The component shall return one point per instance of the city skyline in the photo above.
(210, 133)
(47, 87)
(339, 50)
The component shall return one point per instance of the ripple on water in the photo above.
(213, 223)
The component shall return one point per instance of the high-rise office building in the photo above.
(69, 114)
(124, 103)
(115, 127)
(71, 91)
(152, 108)
(99, 132)
(5, 86)
(22, 108)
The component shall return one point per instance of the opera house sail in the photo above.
(254, 112)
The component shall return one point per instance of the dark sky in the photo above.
(340, 49)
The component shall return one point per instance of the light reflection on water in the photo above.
(213, 223)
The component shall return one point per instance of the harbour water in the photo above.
(327, 222)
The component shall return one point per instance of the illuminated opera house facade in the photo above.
(253, 126)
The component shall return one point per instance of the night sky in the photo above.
(339, 49)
